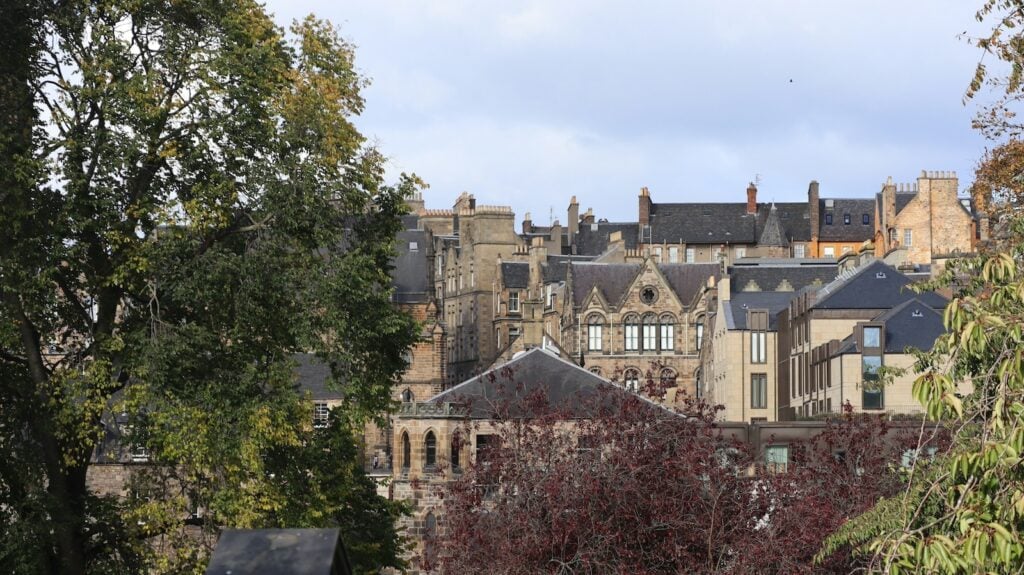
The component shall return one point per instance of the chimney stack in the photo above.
(645, 206)
(574, 221)
(813, 208)
(527, 224)
(751, 198)
(588, 218)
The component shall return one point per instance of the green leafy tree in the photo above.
(186, 206)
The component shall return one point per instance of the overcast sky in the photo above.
(527, 103)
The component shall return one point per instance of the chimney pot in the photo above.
(751, 198)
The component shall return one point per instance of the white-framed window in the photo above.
(798, 251)
(673, 255)
(758, 347)
(631, 330)
(829, 252)
(699, 328)
(513, 301)
(321, 415)
(657, 255)
(549, 295)
(414, 246)
(908, 238)
(668, 333)
(650, 333)
(594, 332)
(741, 253)
(691, 255)
(631, 379)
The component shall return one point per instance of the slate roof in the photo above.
(772, 234)
(411, 222)
(718, 223)
(556, 268)
(902, 199)
(409, 268)
(688, 279)
(592, 239)
(912, 324)
(856, 230)
(768, 278)
(873, 286)
(535, 372)
(312, 375)
(279, 552)
(738, 304)
(611, 280)
(515, 274)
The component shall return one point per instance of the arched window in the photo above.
(407, 396)
(430, 524)
(668, 377)
(667, 327)
(430, 450)
(406, 452)
(596, 371)
(631, 330)
(631, 379)
(456, 451)
(594, 324)
(650, 341)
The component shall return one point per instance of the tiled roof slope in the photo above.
(688, 279)
(740, 303)
(772, 234)
(515, 274)
(910, 325)
(592, 239)
(873, 286)
(714, 223)
(409, 274)
(856, 230)
(770, 278)
(611, 279)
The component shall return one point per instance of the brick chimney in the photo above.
(574, 220)
(588, 218)
(645, 206)
(527, 224)
(751, 198)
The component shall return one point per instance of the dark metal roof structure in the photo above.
(279, 552)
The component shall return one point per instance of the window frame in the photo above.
(430, 450)
(758, 391)
(513, 302)
(758, 347)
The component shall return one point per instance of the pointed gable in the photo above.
(611, 280)
(772, 235)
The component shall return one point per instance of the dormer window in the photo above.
(846, 219)
(865, 219)
(828, 219)
(414, 246)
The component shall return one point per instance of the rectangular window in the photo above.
(513, 302)
(657, 255)
(321, 415)
(673, 255)
(776, 458)
(594, 337)
(872, 394)
(865, 219)
(872, 336)
(828, 219)
(846, 219)
(741, 253)
(908, 238)
(414, 246)
(632, 332)
(700, 334)
(691, 255)
(550, 295)
(758, 390)
(758, 347)
(650, 337)
(829, 252)
(668, 336)
(798, 251)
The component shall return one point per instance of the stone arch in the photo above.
(429, 449)
(406, 451)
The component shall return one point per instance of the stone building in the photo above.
(636, 322)
(926, 218)
(739, 361)
(816, 316)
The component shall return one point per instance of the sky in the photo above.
(528, 103)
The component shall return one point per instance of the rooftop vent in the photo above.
(917, 313)
(880, 275)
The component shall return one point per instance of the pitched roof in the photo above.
(528, 375)
(772, 234)
(716, 223)
(902, 199)
(771, 278)
(611, 280)
(557, 267)
(279, 551)
(839, 230)
(688, 279)
(515, 274)
(409, 267)
(592, 239)
(739, 304)
(872, 286)
(910, 325)
(313, 376)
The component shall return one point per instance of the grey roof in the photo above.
(688, 279)
(772, 234)
(314, 376)
(873, 286)
(411, 222)
(856, 230)
(902, 199)
(910, 325)
(611, 280)
(738, 304)
(557, 267)
(409, 275)
(279, 552)
(515, 274)
(592, 239)
(707, 223)
(769, 278)
(534, 374)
